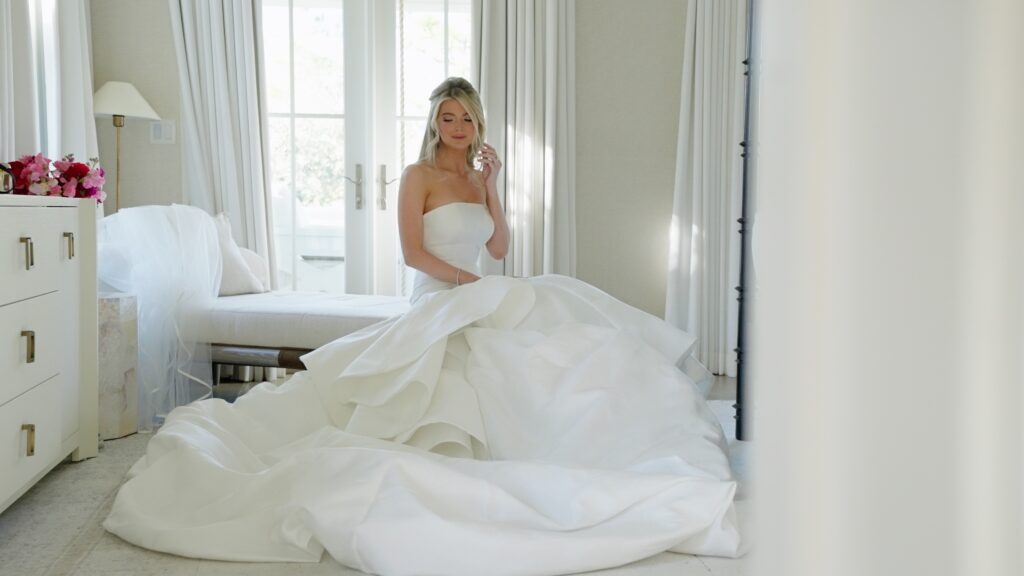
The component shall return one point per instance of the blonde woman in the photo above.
(443, 194)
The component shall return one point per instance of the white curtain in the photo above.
(45, 80)
(524, 66)
(704, 249)
(19, 126)
(223, 115)
(887, 331)
(77, 124)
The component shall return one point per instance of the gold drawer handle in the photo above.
(30, 252)
(30, 445)
(70, 237)
(30, 355)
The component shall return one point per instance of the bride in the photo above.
(501, 426)
(444, 176)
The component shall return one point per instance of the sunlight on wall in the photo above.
(674, 253)
(673, 245)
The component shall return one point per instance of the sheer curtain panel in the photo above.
(77, 125)
(223, 115)
(45, 80)
(19, 125)
(524, 66)
(888, 326)
(704, 246)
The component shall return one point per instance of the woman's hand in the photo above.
(465, 277)
(490, 165)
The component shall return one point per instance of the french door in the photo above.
(347, 84)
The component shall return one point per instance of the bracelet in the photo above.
(457, 272)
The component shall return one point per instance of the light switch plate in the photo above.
(161, 132)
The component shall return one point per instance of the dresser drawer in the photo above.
(29, 421)
(27, 327)
(32, 246)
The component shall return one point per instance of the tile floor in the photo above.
(54, 529)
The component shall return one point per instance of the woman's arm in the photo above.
(412, 197)
(497, 245)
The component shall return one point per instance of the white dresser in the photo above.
(48, 334)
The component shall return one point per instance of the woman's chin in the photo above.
(459, 143)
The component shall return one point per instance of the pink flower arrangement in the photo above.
(32, 175)
(67, 177)
(80, 180)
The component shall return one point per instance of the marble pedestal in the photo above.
(118, 356)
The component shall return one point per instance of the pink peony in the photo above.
(95, 179)
(67, 177)
(70, 188)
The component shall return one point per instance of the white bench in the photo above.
(273, 329)
(175, 260)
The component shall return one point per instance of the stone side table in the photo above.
(118, 356)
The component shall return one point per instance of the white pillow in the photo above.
(236, 277)
(258, 267)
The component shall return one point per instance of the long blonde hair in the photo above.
(460, 90)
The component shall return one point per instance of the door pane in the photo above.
(420, 46)
(459, 35)
(276, 41)
(320, 204)
(319, 57)
(410, 136)
(281, 194)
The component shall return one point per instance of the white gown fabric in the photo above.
(505, 427)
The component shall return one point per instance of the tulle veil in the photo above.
(169, 258)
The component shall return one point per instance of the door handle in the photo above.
(30, 444)
(382, 193)
(30, 252)
(70, 237)
(359, 185)
(30, 352)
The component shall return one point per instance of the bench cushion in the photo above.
(285, 319)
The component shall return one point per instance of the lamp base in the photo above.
(118, 123)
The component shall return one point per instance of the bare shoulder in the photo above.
(415, 185)
(419, 173)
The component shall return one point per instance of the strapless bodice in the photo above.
(454, 232)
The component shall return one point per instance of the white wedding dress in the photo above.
(509, 426)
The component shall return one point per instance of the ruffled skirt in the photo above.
(508, 426)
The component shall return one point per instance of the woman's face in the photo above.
(455, 125)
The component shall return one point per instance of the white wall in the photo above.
(629, 58)
(131, 41)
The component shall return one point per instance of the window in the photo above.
(333, 117)
(432, 43)
(304, 56)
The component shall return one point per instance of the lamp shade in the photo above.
(121, 99)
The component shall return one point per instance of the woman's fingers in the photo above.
(489, 162)
(489, 155)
